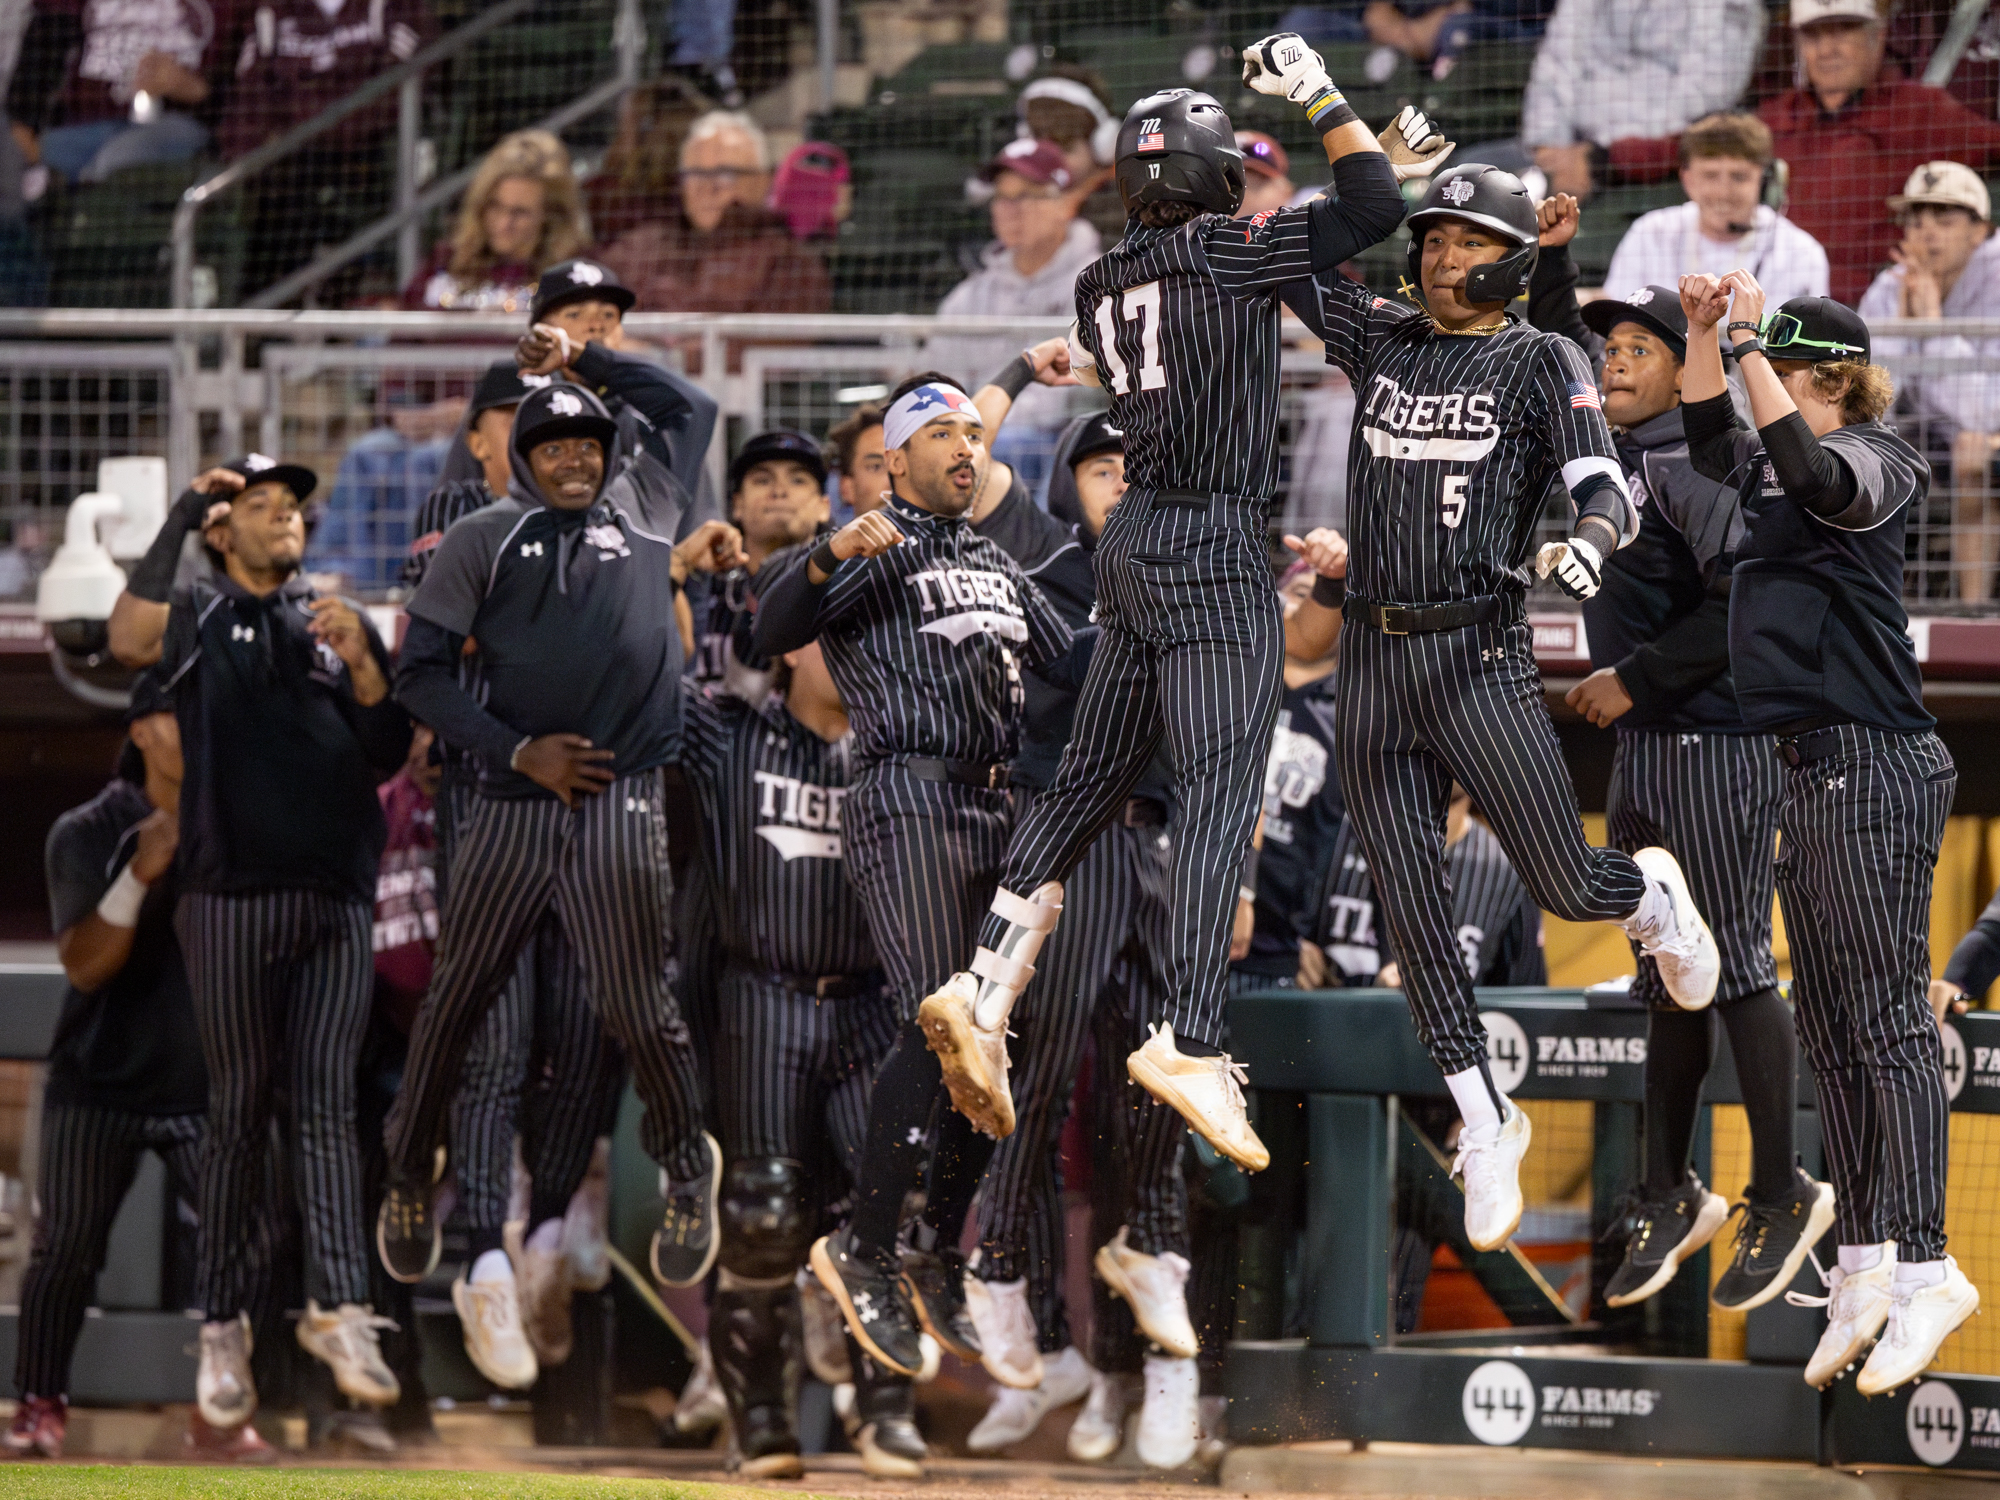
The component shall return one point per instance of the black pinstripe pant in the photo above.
(601, 867)
(1861, 832)
(1413, 713)
(1192, 649)
(1712, 801)
(282, 978)
(89, 1158)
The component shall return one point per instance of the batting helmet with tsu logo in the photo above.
(1494, 200)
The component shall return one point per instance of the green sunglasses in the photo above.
(1783, 332)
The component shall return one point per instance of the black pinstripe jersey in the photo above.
(1183, 324)
(1498, 925)
(1458, 439)
(770, 792)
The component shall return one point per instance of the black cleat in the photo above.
(936, 1283)
(1664, 1233)
(684, 1245)
(407, 1233)
(1772, 1243)
(868, 1285)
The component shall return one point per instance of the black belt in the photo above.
(993, 775)
(1199, 499)
(829, 986)
(1145, 812)
(1422, 619)
(1797, 750)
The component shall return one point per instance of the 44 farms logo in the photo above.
(1500, 1404)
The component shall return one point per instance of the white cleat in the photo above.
(824, 1332)
(1488, 1168)
(345, 1341)
(1008, 1342)
(1208, 1092)
(1671, 932)
(1857, 1305)
(224, 1393)
(973, 1058)
(1170, 1419)
(1920, 1319)
(1014, 1414)
(702, 1406)
(1155, 1288)
(489, 1315)
(1099, 1430)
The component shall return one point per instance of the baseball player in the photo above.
(927, 629)
(1464, 419)
(1820, 653)
(1179, 321)
(1973, 966)
(1690, 776)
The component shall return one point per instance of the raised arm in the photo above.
(139, 615)
(788, 610)
(1313, 628)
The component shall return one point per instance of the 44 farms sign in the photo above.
(1944, 1422)
(1501, 1404)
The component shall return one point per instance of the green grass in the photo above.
(151, 1482)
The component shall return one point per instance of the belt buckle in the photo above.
(996, 777)
(1791, 755)
(1390, 614)
(820, 985)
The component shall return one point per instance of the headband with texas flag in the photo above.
(925, 404)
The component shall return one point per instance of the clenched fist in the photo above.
(1414, 146)
(1284, 67)
(1576, 566)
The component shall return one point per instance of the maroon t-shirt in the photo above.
(118, 33)
(406, 910)
(296, 60)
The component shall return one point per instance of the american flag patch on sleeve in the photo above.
(1583, 393)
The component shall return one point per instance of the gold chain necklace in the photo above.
(1484, 330)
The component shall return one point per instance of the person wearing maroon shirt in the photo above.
(1851, 136)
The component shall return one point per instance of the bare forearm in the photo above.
(93, 951)
(136, 629)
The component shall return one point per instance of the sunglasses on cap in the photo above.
(1783, 332)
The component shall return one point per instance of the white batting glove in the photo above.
(1577, 567)
(1284, 67)
(1414, 146)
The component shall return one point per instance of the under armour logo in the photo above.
(257, 463)
(531, 549)
(583, 273)
(563, 404)
(1836, 783)
(1493, 653)
(1690, 739)
(864, 1306)
(1458, 191)
(1641, 297)
(242, 633)
(632, 804)
(916, 1136)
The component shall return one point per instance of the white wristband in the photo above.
(514, 759)
(120, 906)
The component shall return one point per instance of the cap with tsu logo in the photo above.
(561, 411)
(579, 280)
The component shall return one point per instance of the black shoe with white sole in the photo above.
(1772, 1242)
(868, 1285)
(1664, 1233)
(407, 1234)
(936, 1282)
(685, 1244)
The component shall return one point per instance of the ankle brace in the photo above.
(1004, 972)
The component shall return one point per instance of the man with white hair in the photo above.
(720, 249)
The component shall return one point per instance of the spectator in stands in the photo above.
(1609, 69)
(639, 176)
(1850, 137)
(1029, 270)
(1948, 266)
(1425, 31)
(1267, 173)
(521, 215)
(1071, 106)
(1723, 225)
(860, 459)
(720, 250)
(99, 87)
(704, 43)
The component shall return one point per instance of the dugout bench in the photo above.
(1335, 1074)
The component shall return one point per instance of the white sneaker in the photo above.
(1670, 931)
(823, 1331)
(586, 1224)
(1099, 1430)
(1214, 1432)
(702, 1406)
(1920, 1319)
(1155, 1288)
(489, 1315)
(1857, 1304)
(1170, 1419)
(224, 1393)
(544, 1278)
(1008, 1341)
(1488, 1167)
(1208, 1092)
(1015, 1414)
(973, 1058)
(345, 1341)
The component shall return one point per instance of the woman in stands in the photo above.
(521, 215)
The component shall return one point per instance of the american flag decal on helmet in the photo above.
(1153, 142)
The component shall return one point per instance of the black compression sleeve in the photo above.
(787, 613)
(1598, 498)
(1975, 962)
(1552, 305)
(427, 686)
(1711, 427)
(1329, 593)
(1015, 376)
(1811, 475)
(152, 577)
(1366, 210)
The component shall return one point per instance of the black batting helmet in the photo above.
(1179, 147)
(1492, 199)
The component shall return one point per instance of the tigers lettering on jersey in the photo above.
(808, 816)
(1457, 425)
(979, 601)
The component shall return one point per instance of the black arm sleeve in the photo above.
(1712, 426)
(1687, 656)
(1307, 303)
(1552, 305)
(41, 68)
(1975, 962)
(788, 612)
(152, 577)
(1811, 475)
(640, 384)
(427, 686)
(1068, 670)
(1366, 210)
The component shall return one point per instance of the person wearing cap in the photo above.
(125, 1074)
(1948, 266)
(1267, 173)
(1725, 160)
(286, 722)
(1821, 656)
(1028, 270)
(577, 567)
(476, 468)
(1690, 775)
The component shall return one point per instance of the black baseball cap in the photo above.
(563, 410)
(257, 468)
(1096, 436)
(778, 443)
(149, 696)
(579, 279)
(1817, 329)
(503, 385)
(1655, 307)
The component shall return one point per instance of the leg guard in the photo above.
(1004, 972)
(768, 1218)
(753, 1335)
